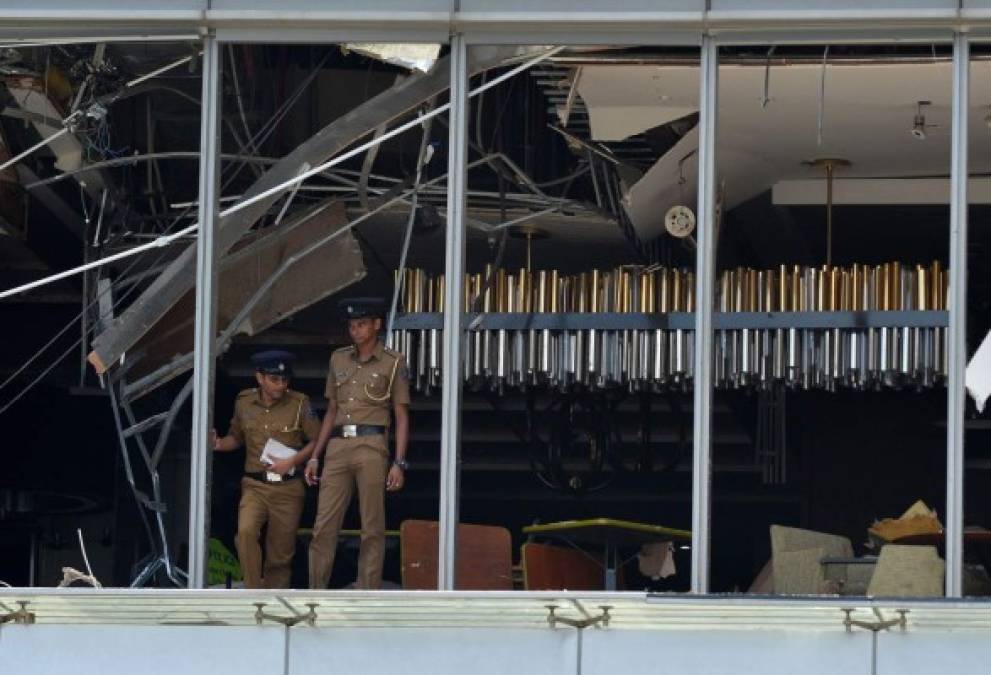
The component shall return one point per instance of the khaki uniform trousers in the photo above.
(280, 505)
(350, 462)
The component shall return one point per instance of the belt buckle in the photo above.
(349, 431)
(272, 477)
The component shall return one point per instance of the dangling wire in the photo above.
(822, 96)
(766, 94)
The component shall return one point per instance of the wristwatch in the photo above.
(401, 463)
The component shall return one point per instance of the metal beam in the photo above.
(704, 299)
(590, 22)
(206, 315)
(676, 320)
(278, 274)
(957, 334)
(53, 203)
(454, 265)
(165, 291)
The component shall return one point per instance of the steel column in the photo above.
(957, 333)
(704, 298)
(450, 432)
(204, 344)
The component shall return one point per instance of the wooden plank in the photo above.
(241, 273)
(555, 568)
(484, 556)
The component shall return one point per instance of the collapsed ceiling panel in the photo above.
(623, 101)
(868, 113)
(179, 277)
(29, 93)
(323, 272)
(407, 55)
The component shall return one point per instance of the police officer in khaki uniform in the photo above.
(366, 384)
(271, 491)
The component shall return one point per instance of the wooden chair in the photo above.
(555, 568)
(485, 556)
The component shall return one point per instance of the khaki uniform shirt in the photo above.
(366, 391)
(290, 421)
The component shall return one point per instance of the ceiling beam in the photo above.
(53, 203)
(179, 277)
(876, 191)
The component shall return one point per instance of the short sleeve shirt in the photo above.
(290, 421)
(365, 391)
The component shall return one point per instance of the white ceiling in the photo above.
(624, 101)
(867, 117)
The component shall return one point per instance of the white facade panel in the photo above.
(726, 652)
(923, 652)
(835, 6)
(329, 6)
(81, 7)
(149, 650)
(579, 6)
(433, 650)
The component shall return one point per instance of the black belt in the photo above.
(269, 477)
(354, 430)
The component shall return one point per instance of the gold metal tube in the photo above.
(770, 291)
(664, 290)
(725, 277)
(554, 292)
(648, 294)
(822, 288)
(883, 292)
(739, 281)
(409, 293)
(896, 285)
(760, 283)
(856, 279)
(751, 300)
(834, 289)
(846, 290)
(935, 274)
(784, 290)
(487, 296)
(796, 287)
(541, 288)
(944, 288)
(626, 291)
(921, 299)
(595, 288)
(689, 291)
(502, 297)
(419, 289)
(526, 291)
(512, 292)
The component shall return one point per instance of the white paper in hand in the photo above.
(274, 450)
(978, 379)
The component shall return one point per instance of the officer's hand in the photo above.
(311, 473)
(213, 439)
(281, 466)
(395, 480)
